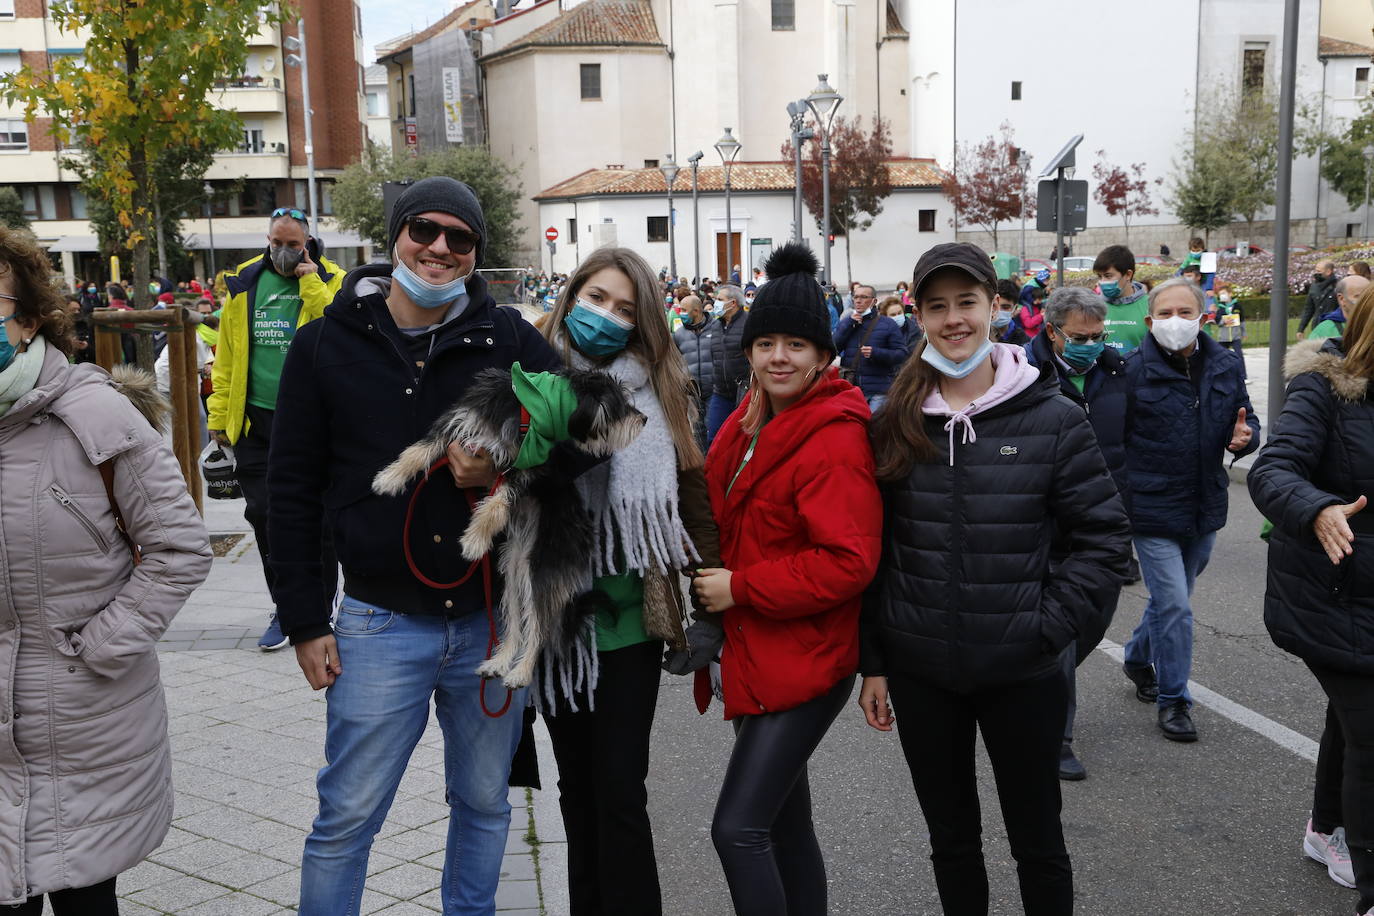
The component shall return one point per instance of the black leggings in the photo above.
(96, 900)
(1352, 700)
(762, 828)
(1023, 727)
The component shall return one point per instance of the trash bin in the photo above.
(1006, 265)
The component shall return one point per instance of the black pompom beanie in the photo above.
(791, 302)
(439, 194)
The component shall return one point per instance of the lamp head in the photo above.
(669, 168)
(728, 147)
(823, 100)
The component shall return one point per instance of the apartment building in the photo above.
(269, 167)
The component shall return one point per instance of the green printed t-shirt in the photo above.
(276, 309)
(626, 626)
(1326, 329)
(1126, 322)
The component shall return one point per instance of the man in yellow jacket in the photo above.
(268, 298)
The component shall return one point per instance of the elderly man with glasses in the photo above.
(871, 346)
(1092, 374)
(269, 298)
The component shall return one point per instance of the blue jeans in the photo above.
(378, 709)
(1164, 637)
(717, 412)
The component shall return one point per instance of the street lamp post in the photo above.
(694, 160)
(210, 216)
(1024, 162)
(800, 134)
(823, 102)
(669, 168)
(293, 60)
(1368, 163)
(728, 148)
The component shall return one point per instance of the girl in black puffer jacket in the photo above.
(1312, 479)
(982, 463)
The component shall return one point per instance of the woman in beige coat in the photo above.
(85, 768)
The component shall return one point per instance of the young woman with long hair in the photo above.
(792, 489)
(652, 519)
(986, 473)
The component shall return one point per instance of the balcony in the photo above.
(269, 161)
(250, 94)
(266, 35)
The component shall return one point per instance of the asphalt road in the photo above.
(1208, 829)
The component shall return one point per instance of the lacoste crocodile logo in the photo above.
(1008, 450)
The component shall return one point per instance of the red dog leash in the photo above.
(484, 563)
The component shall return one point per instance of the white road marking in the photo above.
(1281, 735)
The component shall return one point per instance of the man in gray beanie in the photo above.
(398, 346)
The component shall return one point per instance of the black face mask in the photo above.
(285, 260)
(1318, 277)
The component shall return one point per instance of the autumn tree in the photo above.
(138, 94)
(859, 177)
(358, 193)
(1123, 192)
(1343, 162)
(987, 184)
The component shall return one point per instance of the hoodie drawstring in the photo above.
(955, 420)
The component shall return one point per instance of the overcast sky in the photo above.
(386, 19)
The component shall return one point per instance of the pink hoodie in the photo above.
(1014, 374)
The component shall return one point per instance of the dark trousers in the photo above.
(1326, 789)
(603, 761)
(96, 900)
(1022, 726)
(762, 828)
(1352, 698)
(250, 464)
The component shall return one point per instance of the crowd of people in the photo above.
(937, 495)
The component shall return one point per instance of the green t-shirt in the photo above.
(276, 309)
(1326, 329)
(625, 627)
(1078, 381)
(1126, 322)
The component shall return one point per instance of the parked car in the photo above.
(1152, 259)
(1230, 252)
(1078, 263)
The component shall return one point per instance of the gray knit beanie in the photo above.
(439, 194)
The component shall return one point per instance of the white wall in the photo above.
(883, 255)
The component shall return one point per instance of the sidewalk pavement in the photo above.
(247, 739)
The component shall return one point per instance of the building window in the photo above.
(572, 232)
(1252, 71)
(324, 189)
(252, 141)
(784, 15)
(6, 9)
(658, 228)
(374, 104)
(591, 81)
(1361, 82)
(10, 62)
(412, 95)
(400, 100)
(1016, 90)
(651, 163)
(80, 208)
(925, 220)
(40, 202)
(14, 134)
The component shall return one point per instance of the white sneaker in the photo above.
(1330, 850)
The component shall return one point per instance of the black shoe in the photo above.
(1146, 685)
(1070, 769)
(1176, 722)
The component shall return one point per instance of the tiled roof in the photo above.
(895, 29)
(744, 176)
(1335, 47)
(596, 23)
(461, 15)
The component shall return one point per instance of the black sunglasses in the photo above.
(425, 231)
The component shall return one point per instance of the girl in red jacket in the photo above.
(792, 489)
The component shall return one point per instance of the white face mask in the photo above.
(1175, 333)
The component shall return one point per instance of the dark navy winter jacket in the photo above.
(876, 372)
(352, 397)
(696, 343)
(1104, 398)
(1177, 430)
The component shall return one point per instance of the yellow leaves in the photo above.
(125, 220)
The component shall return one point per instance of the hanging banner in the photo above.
(453, 104)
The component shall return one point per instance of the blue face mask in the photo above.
(900, 319)
(1081, 356)
(7, 350)
(948, 367)
(1001, 319)
(423, 293)
(1110, 290)
(595, 331)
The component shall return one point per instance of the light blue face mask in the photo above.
(423, 293)
(900, 319)
(594, 331)
(1000, 319)
(948, 367)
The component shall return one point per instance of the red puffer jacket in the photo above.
(800, 530)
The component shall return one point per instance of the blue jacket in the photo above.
(1104, 397)
(1177, 430)
(876, 372)
(352, 397)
